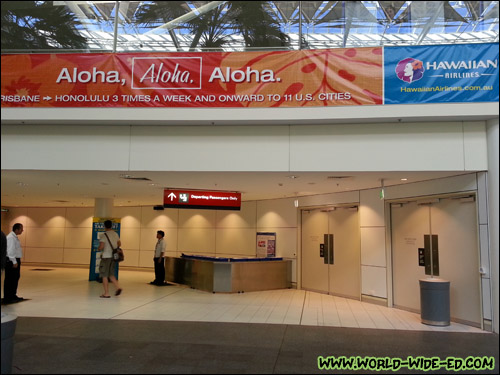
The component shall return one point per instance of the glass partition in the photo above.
(184, 26)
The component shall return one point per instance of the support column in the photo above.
(493, 221)
(103, 207)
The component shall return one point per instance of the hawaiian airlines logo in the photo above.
(410, 70)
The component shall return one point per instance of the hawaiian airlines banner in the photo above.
(238, 79)
(332, 77)
(437, 74)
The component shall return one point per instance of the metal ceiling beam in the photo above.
(187, 17)
(430, 23)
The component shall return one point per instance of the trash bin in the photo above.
(8, 330)
(435, 301)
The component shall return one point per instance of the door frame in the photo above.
(389, 232)
(326, 208)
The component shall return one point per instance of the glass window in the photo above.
(170, 26)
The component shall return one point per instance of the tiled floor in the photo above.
(67, 293)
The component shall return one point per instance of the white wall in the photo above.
(250, 116)
(430, 146)
(493, 215)
(373, 244)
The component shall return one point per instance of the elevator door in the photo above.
(331, 251)
(451, 224)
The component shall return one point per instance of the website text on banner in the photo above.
(239, 79)
(440, 74)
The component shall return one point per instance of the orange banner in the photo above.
(334, 77)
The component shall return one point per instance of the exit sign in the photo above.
(211, 200)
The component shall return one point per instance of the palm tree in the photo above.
(210, 29)
(39, 25)
(256, 24)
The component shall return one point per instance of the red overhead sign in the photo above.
(214, 200)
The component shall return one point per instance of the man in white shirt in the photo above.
(13, 265)
(159, 260)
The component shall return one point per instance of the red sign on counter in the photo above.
(213, 200)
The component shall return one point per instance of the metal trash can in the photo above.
(8, 330)
(435, 301)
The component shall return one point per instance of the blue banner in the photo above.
(441, 74)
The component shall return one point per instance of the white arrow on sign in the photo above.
(172, 196)
(47, 98)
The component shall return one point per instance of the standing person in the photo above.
(4, 250)
(159, 259)
(13, 265)
(109, 240)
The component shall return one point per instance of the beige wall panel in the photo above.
(76, 256)
(148, 238)
(475, 146)
(374, 281)
(160, 220)
(371, 208)
(130, 216)
(196, 240)
(372, 147)
(235, 241)
(15, 215)
(196, 218)
(286, 241)
(245, 218)
(44, 255)
(45, 217)
(79, 217)
(131, 258)
(5, 222)
(145, 259)
(373, 246)
(131, 238)
(44, 237)
(78, 238)
(276, 213)
(173, 253)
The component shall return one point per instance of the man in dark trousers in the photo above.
(13, 265)
(159, 260)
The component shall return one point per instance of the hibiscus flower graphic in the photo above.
(22, 87)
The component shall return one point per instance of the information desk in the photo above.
(229, 274)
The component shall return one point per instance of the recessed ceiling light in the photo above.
(404, 179)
